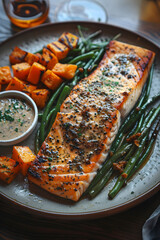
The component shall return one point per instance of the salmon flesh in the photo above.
(88, 121)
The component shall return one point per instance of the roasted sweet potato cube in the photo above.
(5, 75)
(35, 73)
(48, 59)
(69, 40)
(66, 71)
(15, 84)
(59, 49)
(24, 156)
(28, 88)
(8, 169)
(21, 70)
(17, 55)
(51, 80)
(39, 57)
(40, 96)
(31, 58)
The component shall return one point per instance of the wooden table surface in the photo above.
(141, 16)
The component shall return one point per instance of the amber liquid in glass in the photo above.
(27, 14)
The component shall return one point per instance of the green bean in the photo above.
(125, 124)
(130, 165)
(80, 45)
(80, 31)
(137, 128)
(97, 58)
(40, 51)
(93, 67)
(121, 152)
(145, 93)
(98, 45)
(86, 67)
(75, 81)
(97, 182)
(151, 121)
(147, 118)
(104, 44)
(140, 124)
(101, 184)
(130, 153)
(40, 116)
(101, 181)
(130, 121)
(79, 64)
(116, 142)
(46, 111)
(49, 115)
(116, 36)
(86, 41)
(82, 57)
(37, 141)
(47, 120)
(131, 132)
(147, 152)
(65, 92)
(76, 77)
(93, 35)
(134, 159)
(75, 50)
(67, 59)
(149, 83)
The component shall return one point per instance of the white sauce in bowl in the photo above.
(16, 116)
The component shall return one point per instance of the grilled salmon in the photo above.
(119, 78)
(88, 121)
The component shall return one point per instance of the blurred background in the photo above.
(136, 15)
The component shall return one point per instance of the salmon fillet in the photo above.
(88, 121)
(119, 78)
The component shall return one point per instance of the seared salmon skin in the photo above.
(88, 121)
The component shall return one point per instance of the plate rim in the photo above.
(92, 214)
(78, 22)
(85, 215)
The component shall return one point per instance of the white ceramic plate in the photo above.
(34, 199)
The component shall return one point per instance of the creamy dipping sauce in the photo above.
(16, 116)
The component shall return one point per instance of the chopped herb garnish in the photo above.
(3, 166)
(22, 123)
(50, 159)
(48, 169)
(8, 117)
(15, 106)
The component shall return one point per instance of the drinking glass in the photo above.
(26, 13)
(88, 10)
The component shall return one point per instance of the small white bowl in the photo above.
(23, 96)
